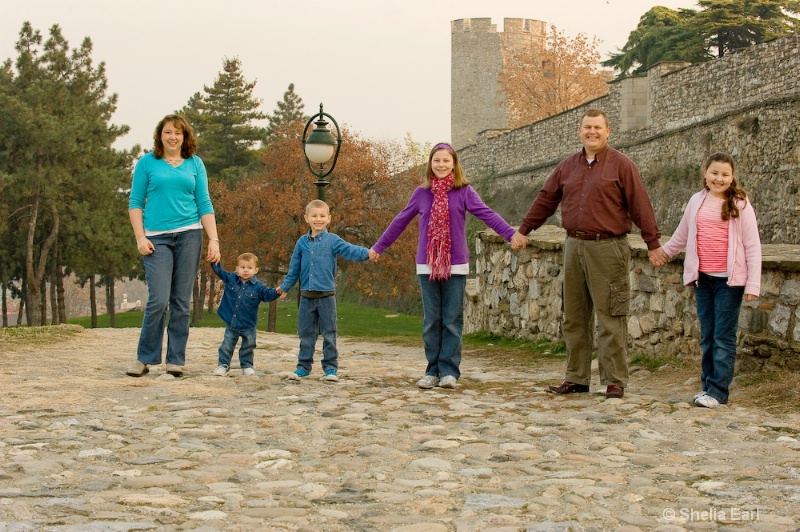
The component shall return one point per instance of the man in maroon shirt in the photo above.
(601, 193)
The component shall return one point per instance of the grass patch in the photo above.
(778, 392)
(354, 320)
(506, 352)
(652, 363)
(37, 335)
(540, 348)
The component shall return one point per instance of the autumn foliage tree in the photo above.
(540, 81)
(264, 213)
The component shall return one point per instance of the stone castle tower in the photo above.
(477, 53)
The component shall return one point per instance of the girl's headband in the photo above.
(444, 146)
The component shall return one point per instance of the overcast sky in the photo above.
(381, 67)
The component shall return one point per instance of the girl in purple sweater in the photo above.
(442, 258)
(723, 264)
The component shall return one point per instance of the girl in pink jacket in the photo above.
(723, 262)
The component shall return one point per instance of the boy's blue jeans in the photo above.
(229, 342)
(718, 312)
(315, 316)
(443, 323)
(170, 272)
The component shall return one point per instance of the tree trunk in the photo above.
(35, 277)
(21, 310)
(200, 302)
(53, 275)
(93, 301)
(111, 302)
(43, 291)
(33, 296)
(60, 296)
(273, 316)
(5, 305)
(24, 307)
(212, 293)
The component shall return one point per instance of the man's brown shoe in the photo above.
(614, 391)
(569, 387)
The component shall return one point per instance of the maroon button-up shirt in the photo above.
(602, 197)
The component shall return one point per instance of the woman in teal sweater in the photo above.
(169, 207)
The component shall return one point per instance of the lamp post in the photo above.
(319, 147)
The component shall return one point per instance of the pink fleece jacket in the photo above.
(744, 246)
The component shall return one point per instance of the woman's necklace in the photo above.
(174, 162)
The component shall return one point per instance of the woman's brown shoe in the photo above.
(137, 369)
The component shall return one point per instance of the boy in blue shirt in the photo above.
(313, 263)
(239, 310)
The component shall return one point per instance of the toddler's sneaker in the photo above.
(298, 374)
(706, 401)
(448, 381)
(248, 372)
(221, 370)
(330, 376)
(427, 382)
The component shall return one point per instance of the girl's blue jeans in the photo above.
(443, 323)
(718, 311)
(170, 272)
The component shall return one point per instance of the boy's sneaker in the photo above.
(330, 375)
(698, 394)
(448, 381)
(221, 371)
(248, 372)
(706, 401)
(427, 382)
(298, 374)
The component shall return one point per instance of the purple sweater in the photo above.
(461, 201)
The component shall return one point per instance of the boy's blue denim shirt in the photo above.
(239, 305)
(314, 261)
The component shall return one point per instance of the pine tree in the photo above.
(223, 119)
(55, 144)
(288, 111)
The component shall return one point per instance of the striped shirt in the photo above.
(712, 237)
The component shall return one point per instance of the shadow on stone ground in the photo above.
(85, 448)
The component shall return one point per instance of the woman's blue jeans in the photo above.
(315, 316)
(443, 323)
(170, 272)
(718, 311)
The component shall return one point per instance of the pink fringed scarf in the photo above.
(439, 229)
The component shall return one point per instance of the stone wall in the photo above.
(477, 52)
(747, 104)
(519, 294)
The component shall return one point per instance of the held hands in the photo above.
(374, 255)
(658, 257)
(281, 293)
(213, 250)
(519, 241)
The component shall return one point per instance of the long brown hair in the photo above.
(459, 180)
(734, 194)
(189, 146)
